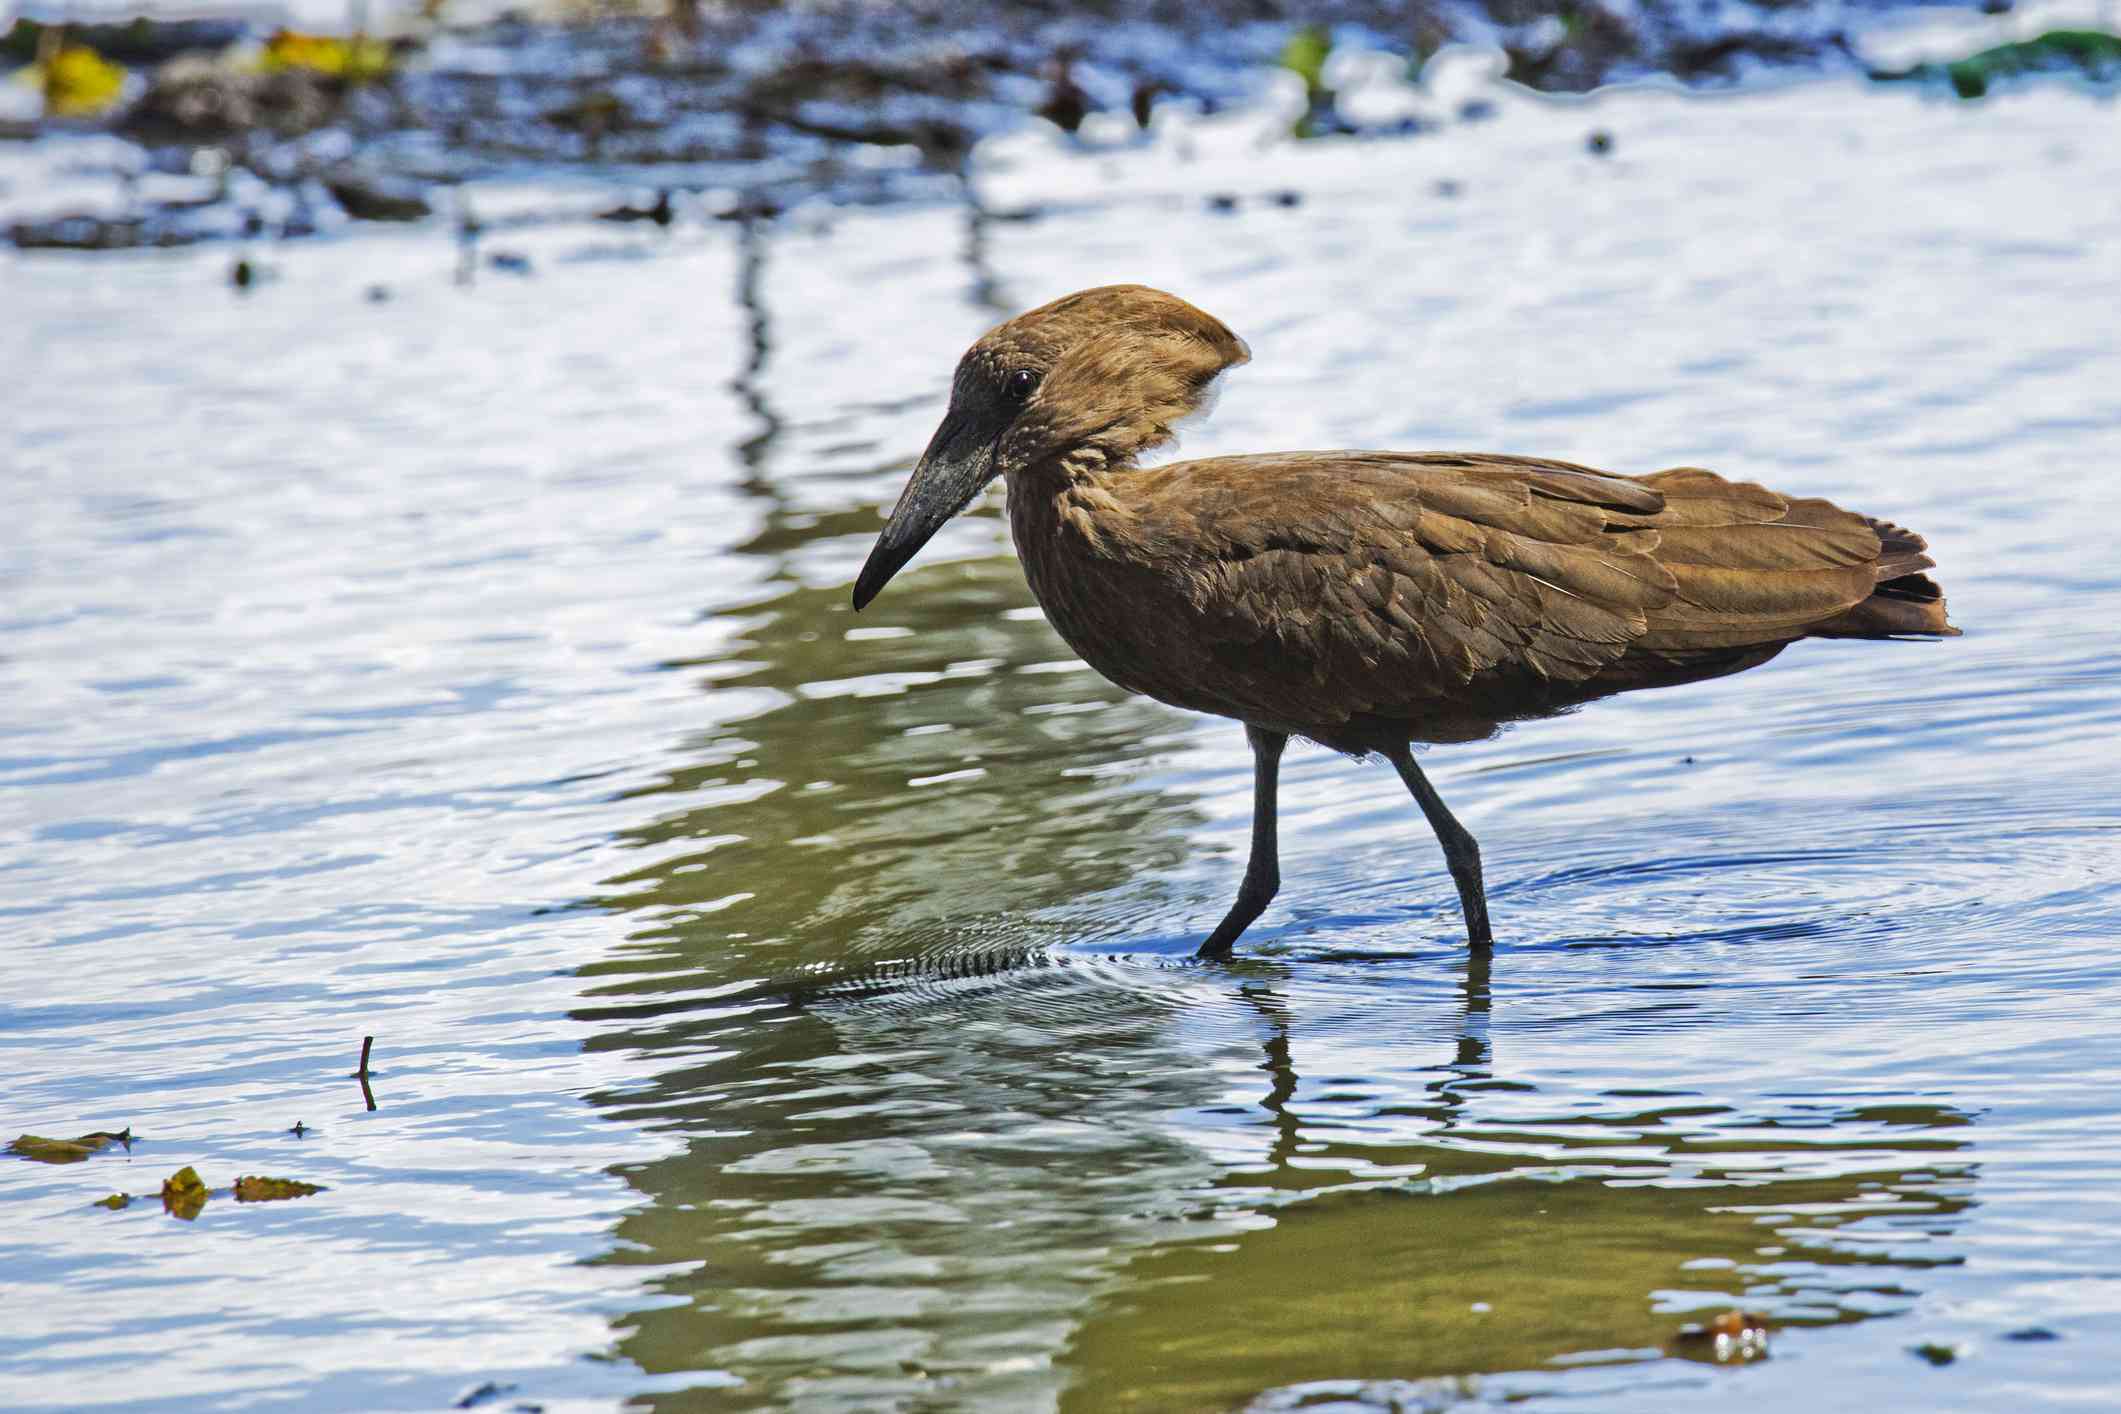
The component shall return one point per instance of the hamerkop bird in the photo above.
(1366, 600)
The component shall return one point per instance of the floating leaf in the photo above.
(115, 1201)
(184, 1193)
(258, 1189)
(66, 1151)
(50, 1151)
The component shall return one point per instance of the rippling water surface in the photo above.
(776, 1007)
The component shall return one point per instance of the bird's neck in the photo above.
(1078, 534)
(1068, 507)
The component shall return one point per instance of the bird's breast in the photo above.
(1121, 613)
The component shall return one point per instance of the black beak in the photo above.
(958, 462)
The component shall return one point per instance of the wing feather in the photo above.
(1328, 586)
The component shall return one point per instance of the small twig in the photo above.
(367, 1043)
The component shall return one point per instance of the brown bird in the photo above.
(1366, 600)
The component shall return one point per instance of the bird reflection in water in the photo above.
(916, 1163)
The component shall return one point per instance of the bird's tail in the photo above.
(1906, 603)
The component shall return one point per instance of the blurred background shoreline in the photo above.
(200, 123)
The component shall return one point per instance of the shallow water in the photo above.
(776, 1007)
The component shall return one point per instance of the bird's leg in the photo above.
(1460, 851)
(1263, 869)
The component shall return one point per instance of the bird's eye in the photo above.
(1020, 385)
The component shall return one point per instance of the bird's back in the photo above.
(1361, 597)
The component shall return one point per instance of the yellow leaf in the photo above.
(65, 1151)
(359, 59)
(184, 1193)
(115, 1201)
(78, 81)
(1305, 56)
(257, 1189)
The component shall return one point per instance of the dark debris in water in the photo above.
(136, 41)
(196, 101)
(661, 211)
(368, 196)
(85, 231)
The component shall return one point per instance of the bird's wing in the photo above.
(1334, 585)
(1750, 567)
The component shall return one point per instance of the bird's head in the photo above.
(1095, 378)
